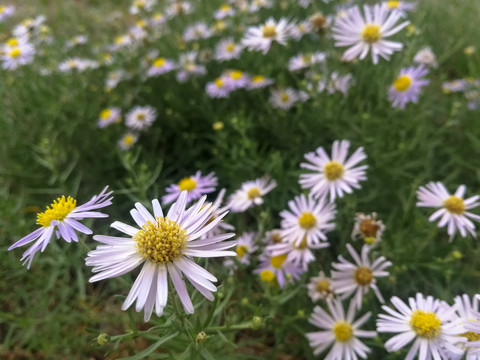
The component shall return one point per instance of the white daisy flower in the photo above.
(127, 141)
(76, 40)
(157, 19)
(256, 5)
(340, 330)
(277, 269)
(197, 31)
(285, 98)
(227, 49)
(195, 186)
(259, 81)
(452, 210)
(407, 86)
(15, 53)
(140, 117)
(297, 31)
(236, 79)
(224, 11)
(399, 5)
(246, 246)
(300, 255)
(467, 309)
(109, 116)
(307, 218)
(426, 56)
(320, 287)
(113, 79)
(260, 38)
(336, 175)
(430, 323)
(368, 228)
(141, 5)
(62, 219)
(250, 194)
(303, 61)
(272, 237)
(359, 277)
(218, 88)
(369, 33)
(160, 66)
(188, 67)
(217, 210)
(165, 246)
(335, 83)
(178, 8)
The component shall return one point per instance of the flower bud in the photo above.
(103, 339)
(257, 323)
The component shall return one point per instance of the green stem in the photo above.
(230, 327)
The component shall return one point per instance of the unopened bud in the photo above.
(457, 254)
(103, 339)
(245, 301)
(257, 323)
(201, 337)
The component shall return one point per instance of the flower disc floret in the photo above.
(333, 170)
(241, 250)
(269, 31)
(402, 83)
(161, 241)
(343, 331)
(455, 205)
(159, 62)
(16, 52)
(307, 220)
(187, 184)
(426, 324)
(323, 286)
(267, 276)
(58, 210)
(278, 260)
(253, 193)
(371, 33)
(363, 276)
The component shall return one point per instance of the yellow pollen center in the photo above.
(15, 53)
(303, 244)
(219, 82)
(267, 276)
(278, 260)
(253, 193)
(402, 83)
(159, 62)
(230, 47)
(371, 33)
(269, 31)
(369, 240)
(307, 220)
(241, 250)
(363, 276)
(333, 170)
(276, 238)
(128, 140)
(258, 78)
(105, 114)
(284, 97)
(426, 324)
(58, 210)
(236, 75)
(2, 9)
(323, 286)
(343, 331)
(393, 4)
(471, 336)
(12, 42)
(141, 117)
(369, 228)
(187, 184)
(455, 205)
(225, 8)
(161, 241)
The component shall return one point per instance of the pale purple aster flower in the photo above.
(302, 61)
(178, 8)
(218, 209)
(197, 31)
(283, 98)
(278, 268)
(127, 140)
(15, 53)
(359, 277)
(261, 37)
(236, 79)
(109, 116)
(300, 255)
(272, 237)
(308, 219)
(259, 81)
(364, 34)
(453, 86)
(195, 186)
(467, 310)
(227, 49)
(250, 194)
(246, 246)
(399, 5)
(431, 324)
(452, 210)
(165, 245)
(219, 88)
(336, 175)
(407, 86)
(188, 67)
(6, 12)
(335, 83)
(62, 219)
(224, 11)
(160, 66)
(426, 56)
(320, 287)
(297, 31)
(140, 117)
(340, 330)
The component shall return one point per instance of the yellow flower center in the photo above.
(371, 33)
(225, 8)
(15, 53)
(284, 97)
(161, 241)
(343, 331)
(219, 82)
(323, 286)
(278, 260)
(187, 184)
(128, 139)
(159, 62)
(141, 117)
(471, 336)
(303, 244)
(230, 47)
(333, 170)
(363, 276)
(158, 16)
(105, 114)
(402, 83)
(2, 9)
(426, 324)
(269, 31)
(267, 276)
(12, 42)
(455, 205)
(393, 4)
(241, 250)
(369, 228)
(276, 238)
(369, 240)
(58, 210)
(253, 193)
(307, 220)
(258, 78)
(235, 75)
